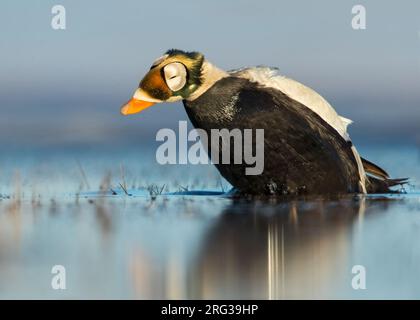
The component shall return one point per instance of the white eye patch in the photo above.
(175, 75)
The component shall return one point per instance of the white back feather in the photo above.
(269, 77)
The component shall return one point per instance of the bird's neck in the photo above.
(210, 75)
(218, 106)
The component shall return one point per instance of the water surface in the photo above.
(68, 208)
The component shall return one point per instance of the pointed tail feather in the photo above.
(378, 180)
(375, 185)
(374, 170)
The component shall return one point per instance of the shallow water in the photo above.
(156, 244)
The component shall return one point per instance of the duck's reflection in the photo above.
(275, 251)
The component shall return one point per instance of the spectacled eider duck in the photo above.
(307, 149)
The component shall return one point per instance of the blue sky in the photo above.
(61, 87)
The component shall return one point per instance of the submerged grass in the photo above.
(155, 190)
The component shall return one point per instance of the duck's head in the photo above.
(174, 76)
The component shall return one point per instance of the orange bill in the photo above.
(135, 106)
